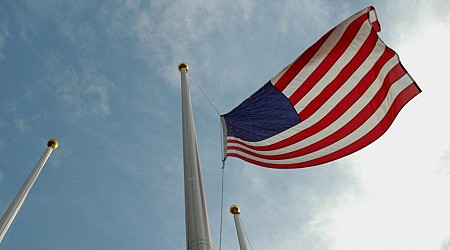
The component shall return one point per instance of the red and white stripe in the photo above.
(347, 88)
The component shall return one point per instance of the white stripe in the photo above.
(318, 57)
(337, 97)
(347, 56)
(394, 91)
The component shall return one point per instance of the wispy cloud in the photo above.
(70, 70)
(21, 124)
(17, 120)
(446, 244)
(4, 34)
(167, 32)
(444, 166)
(83, 94)
(317, 16)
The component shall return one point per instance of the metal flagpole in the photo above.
(234, 209)
(197, 227)
(16, 204)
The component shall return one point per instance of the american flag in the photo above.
(337, 97)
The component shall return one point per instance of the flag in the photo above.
(337, 97)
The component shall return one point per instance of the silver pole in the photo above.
(198, 236)
(239, 229)
(16, 204)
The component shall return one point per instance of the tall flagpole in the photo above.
(16, 204)
(239, 229)
(197, 227)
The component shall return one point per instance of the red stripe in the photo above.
(341, 78)
(331, 58)
(336, 112)
(404, 97)
(301, 61)
(396, 73)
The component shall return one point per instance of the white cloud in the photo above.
(84, 94)
(446, 244)
(444, 166)
(171, 32)
(21, 124)
(316, 17)
(4, 34)
(404, 207)
(18, 121)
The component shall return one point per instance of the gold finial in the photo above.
(52, 143)
(234, 209)
(183, 65)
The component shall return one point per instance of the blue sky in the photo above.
(101, 77)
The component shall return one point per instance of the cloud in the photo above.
(4, 34)
(446, 244)
(17, 119)
(444, 166)
(83, 94)
(165, 33)
(21, 124)
(308, 21)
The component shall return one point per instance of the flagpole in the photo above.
(197, 227)
(16, 204)
(234, 209)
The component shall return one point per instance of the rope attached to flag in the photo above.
(204, 94)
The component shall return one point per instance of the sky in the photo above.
(102, 78)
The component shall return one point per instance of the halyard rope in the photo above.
(207, 98)
(221, 205)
